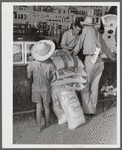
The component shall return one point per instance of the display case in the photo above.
(28, 46)
(18, 53)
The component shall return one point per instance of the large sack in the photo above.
(67, 80)
(62, 73)
(58, 109)
(67, 61)
(71, 107)
(61, 52)
(80, 71)
(73, 86)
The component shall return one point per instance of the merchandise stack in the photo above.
(71, 77)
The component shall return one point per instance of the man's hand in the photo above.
(112, 56)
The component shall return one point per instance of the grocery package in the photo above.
(17, 53)
(109, 90)
(71, 107)
(17, 49)
(67, 61)
(58, 109)
(71, 79)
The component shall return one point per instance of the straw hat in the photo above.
(87, 21)
(42, 50)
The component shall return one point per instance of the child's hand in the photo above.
(28, 75)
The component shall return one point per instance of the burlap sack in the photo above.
(72, 86)
(67, 80)
(58, 109)
(62, 73)
(67, 61)
(71, 107)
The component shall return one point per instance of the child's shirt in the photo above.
(42, 75)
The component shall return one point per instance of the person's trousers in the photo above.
(90, 94)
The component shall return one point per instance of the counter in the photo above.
(22, 85)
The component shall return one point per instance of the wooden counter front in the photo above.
(22, 85)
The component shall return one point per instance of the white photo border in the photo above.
(7, 75)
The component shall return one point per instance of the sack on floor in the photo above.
(71, 107)
(58, 109)
(67, 80)
(66, 61)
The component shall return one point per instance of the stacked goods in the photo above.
(17, 53)
(66, 80)
(67, 61)
(109, 90)
(70, 77)
(69, 70)
(109, 87)
(72, 86)
(62, 73)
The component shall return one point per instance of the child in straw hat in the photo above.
(43, 74)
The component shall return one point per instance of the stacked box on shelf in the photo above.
(18, 53)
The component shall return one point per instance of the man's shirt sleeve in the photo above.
(80, 42)
(64, 38)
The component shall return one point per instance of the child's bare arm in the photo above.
(54, 78)
(53, 72)
(29, 75)
(29, 71)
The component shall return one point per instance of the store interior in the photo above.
(34, 23)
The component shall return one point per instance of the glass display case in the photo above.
(18, 53)
(28, 46)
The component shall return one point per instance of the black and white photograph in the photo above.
(61, 74)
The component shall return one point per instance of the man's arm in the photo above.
(63, 42)
(80, 42)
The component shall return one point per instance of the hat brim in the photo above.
(42, 58)
(82, 22)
